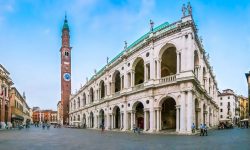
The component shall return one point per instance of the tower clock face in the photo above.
(66, 76)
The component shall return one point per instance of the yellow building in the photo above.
(243, 107)
(20, 111)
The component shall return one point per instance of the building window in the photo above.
(221, 98)
(66, 53)
(221, 104)
(228, 97)
(221, 110)
(221, 116)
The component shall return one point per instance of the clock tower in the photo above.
(65, 71)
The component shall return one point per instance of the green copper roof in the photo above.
(65, 24)
(142, 38)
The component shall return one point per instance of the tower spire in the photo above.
(65, 24)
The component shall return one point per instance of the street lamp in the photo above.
(248, 81)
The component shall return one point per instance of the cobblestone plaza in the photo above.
(75, 139)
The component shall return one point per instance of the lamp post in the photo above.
(248, 81)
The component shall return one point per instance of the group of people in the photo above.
(136, 129)
(45, 125)
(203, 129)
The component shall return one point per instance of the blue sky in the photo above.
(30, 40)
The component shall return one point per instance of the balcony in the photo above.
(138, 87)
(168, 79)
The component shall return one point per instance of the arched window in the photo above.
(138, 66)
(117, 81)
(78, 102)
(196, 64)
(168, 61)
(91, 95)
(74, 104)
(102, 89)
(84, 99)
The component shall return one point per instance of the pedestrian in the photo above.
(102, 127)
(201, 129)
(134, 128)
(193, 128)
(205, 129)
(43, 125)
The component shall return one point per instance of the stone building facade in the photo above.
(229, 106)
(20, 111)
(243, 107)
(5, 109)
(162, 81)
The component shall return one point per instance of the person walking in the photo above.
(201, 129)
(102, 127)
(205, 129)
(193, 128)
(134, 128)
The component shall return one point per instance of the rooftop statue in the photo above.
(189, 8)
(151, 25)
(125, 45)
(184, 9)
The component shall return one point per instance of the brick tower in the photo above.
(65, 71)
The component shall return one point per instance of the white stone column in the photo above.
(177, 63)
(145, 120)
(132, 78)
(178, 118)
(183, 112)
(121, 121)
(132, 119)
(190, 108)
(108, 122)
(145, 73)
(125, 120)
(152, 120)
(159, 69)
(158, 120)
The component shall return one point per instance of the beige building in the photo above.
(243, 107)
(162, 81)
(5, 109)
(59, 113)
(53, 117)
(229, 106)
(20, 111)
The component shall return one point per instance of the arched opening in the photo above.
(78, 102)
(74, 104)
(84, 120)
(168, 62)
(197, 112)
(204, 113)
(139, 115)
(102, 89)
(210, 117)
(117, 81)
(84, 99)
(91, 120)
(117, 120)
(196, 63)
(204, 77)
(168, 114)
(101, 117)
(139, 71)
(91, 95)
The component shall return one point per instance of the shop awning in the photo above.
(16, 117)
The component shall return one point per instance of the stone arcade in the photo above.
(162, 81)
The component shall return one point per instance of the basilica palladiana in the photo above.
(161, 82)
